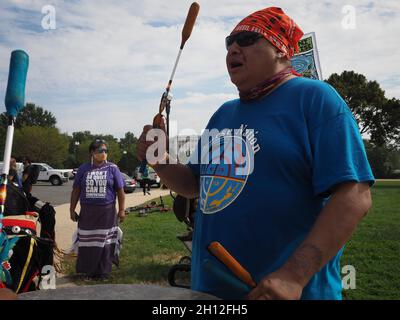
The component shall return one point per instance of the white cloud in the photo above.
(105, 66)
(191, 112)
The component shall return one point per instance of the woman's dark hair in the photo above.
(96, 144)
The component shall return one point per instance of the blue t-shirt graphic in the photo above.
(305, 141)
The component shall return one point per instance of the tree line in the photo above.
(37, 136)
(378, 118)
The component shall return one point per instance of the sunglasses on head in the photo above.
(101, 150)
(243, 39)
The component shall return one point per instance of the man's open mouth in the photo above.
(235, 65)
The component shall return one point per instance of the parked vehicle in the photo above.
(153, 177)
(55, 176)
(130, 183)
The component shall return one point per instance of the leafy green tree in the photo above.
(392, 108)
(384, 159)
(375, 114)
(82, 152)
(81, 136)
(128, 142)
(41, 145)
(31, 116)
(128, 161)
(114, 152)
(70, 162)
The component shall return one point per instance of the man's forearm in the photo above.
(333, 228)
(179, 178)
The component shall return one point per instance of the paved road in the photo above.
(56, 195)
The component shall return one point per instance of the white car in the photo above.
(55, 176)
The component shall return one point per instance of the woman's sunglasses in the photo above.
(101, 150)
(243, 39)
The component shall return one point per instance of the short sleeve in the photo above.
(78, 177)
(118, 180)
(338, 154)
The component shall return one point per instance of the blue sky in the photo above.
(107, 63)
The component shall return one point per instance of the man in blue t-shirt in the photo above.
(296, 189)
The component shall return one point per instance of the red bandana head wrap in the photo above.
(275, 26)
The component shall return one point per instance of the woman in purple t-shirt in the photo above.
(97, 185)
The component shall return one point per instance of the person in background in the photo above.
(26, 176)
(97, 185)
(13, 162)
(145, 182)
(16, 178)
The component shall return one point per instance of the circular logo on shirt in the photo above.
(223, 179)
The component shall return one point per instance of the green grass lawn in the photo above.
(374, 250)
(150, 247)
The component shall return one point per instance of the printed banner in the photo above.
(306, 62)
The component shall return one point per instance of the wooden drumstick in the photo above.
(166, 97)
(186, 32)
(189, 23)
(226, 258)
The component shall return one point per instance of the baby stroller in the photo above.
(29, 253)
(184, 210)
